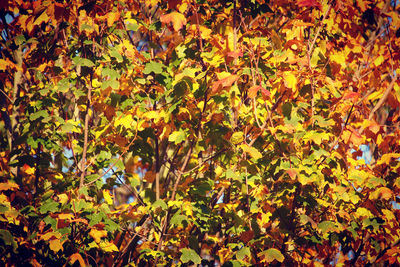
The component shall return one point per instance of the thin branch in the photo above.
(86, 133)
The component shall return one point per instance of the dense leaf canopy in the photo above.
(205, 132)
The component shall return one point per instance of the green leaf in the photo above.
(190, 255)
(177, 219)
(327, 226)
(83, 61)
(111, 83)
(273, 254)
(49, 206)
(243, 252)
(177, 137)
(114, 53)
(7, 237)
(153, 66)
(110, 73)
(38, 114)
(160, 203)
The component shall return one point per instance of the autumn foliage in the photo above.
(184, 132)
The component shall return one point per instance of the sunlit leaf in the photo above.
(177, 19)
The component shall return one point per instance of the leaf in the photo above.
(237, 138)
(379, 60)
(386, 158)
(153, 66)
(160, 203)
(253, 91)
(290, 80)
(177, 137)
(50, 206)
(252, 151)
(7, 237)
(112, 17)
(97, 234)
(56, 245)
(83, 61)
(177, 19)
(177, 219)
(327, 226)
(273, 254)
(381, 193)
(223, 83)
(292, 173)
(308, 3)
(8, 186)
(108, 197)
(190, 255)
(76, 257)
(108, 246)
(242, 253)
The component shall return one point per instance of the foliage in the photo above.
(166, 132)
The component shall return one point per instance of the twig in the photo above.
(85, 140)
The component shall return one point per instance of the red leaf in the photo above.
(308, 3)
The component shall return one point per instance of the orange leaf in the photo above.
(177, 19)
(351, 95)
(253, 91)
(75, 257)
(223, 83)
(292, 173)
(149, 176)
(112, 17)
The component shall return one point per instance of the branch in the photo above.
(85, 140)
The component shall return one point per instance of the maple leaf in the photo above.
(223, 83)
(177, 19)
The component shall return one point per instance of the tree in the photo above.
(180, 132)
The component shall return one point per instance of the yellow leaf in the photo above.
(108, 247)
(378, 61)
(177, 19)
(107, 197)
(50, 236)
(363, 212)
(125, 121)
(56, 245)
(3, 64)
(237, 138)
(112, 17)
(339, 58)
(272, 254)
(97, 234)
(381, 193)
(290, 80)
(62, 198)
(8, 186)
(387, 158)
(42, 18)
(252, 151)
(77, 257)
(65, 216)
